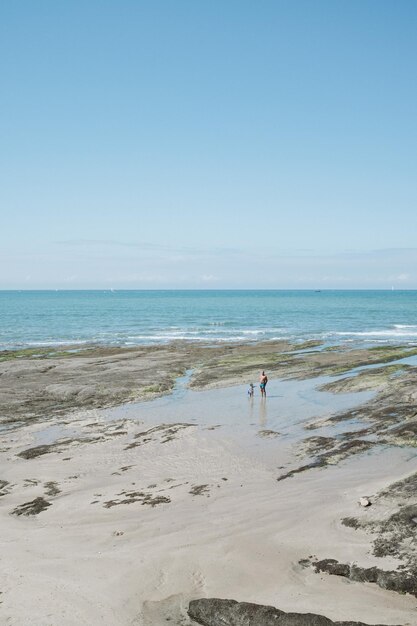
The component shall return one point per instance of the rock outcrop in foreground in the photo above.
(216, 612)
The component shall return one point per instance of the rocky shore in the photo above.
(196, 506)
(44, 382)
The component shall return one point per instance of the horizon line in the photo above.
(116, 289)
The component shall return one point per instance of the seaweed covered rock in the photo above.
(215, 611)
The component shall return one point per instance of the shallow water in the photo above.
(54, 432)
(289, 406)
(267, 427)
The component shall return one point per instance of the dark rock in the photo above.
(199, 490)
(336, 454)
(318, 463)
(363, 574)
(214, 611)
(31, 508)
(399, 581)
(351, 522)
(332, 567)
(137, 496)
(31, 453)
(51, 488)
(218, 612)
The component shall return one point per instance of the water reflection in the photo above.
(263, 413)
(250, 409)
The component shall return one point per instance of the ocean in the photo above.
(128, 318)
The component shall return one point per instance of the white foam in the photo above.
(405, 326)
(47, 344)
(377, 333)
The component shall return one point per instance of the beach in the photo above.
(208, 313)
(135, 480)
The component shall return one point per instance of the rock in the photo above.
(363, 574)
(31, 453)
(365, 501)
(32, 508)
(332, 567)
(218, 612)
(214, 611)
(399, 581)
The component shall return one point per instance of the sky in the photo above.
(168, 144)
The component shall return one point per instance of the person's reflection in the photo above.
(250, 412)
(263, 412)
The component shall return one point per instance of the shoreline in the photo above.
(35, 384)
(129, 511)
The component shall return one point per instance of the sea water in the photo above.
(128, 318)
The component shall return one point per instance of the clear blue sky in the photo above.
(217, 144)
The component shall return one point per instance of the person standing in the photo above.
(263, 379)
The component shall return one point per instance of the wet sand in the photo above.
(122, 515)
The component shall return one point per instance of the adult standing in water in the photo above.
(263, 379)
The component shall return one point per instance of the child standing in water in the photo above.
(251, 390)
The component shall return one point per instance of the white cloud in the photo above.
(209, 278)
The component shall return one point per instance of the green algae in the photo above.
(25, 353)
(253, 360)
(365, 380)
(151, 389)
(69, 352)
(312, 343)
(315, 363)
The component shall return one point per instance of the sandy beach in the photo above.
(136, 480)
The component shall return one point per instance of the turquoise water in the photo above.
(43, 318)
